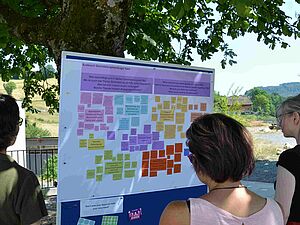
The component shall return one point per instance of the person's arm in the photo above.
(285, 187)
(176, 213)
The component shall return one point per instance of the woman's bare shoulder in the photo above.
(176, 213)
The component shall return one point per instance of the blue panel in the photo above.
(152, 205)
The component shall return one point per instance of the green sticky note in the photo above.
(120, 157)
(90, 174)
(113, 167)
(82, 143)
(114, 159)
(99, 169)
(134, 164)
(127, 156)
(98, 159)
(127, 165)
(129, 173)
(91, 135)
(117, 176)
(99, 177)
(108, 155)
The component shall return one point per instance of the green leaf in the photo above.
(188, 4)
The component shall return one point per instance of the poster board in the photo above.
(122, 153)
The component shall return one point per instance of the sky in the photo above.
(257, 65)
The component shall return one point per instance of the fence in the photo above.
(41, 158)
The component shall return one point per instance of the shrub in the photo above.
(9, 87)
(32, 131)
(50, 169)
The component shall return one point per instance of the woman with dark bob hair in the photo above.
(222, 154)
(21, 200)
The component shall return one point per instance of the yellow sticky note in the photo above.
(182, 135)
(170, 131)
(185, 100)
(167, 105)
(153, 109)
(159, 106)
(157, 98)
(154, 117)
(166, 115)
(183, 108)
(180, 118)
(173, 100)
(160, 126)
(179, 128)
(95, 144)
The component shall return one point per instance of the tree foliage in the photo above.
(34, 32)
(264, 103)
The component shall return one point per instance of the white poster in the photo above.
(123, 123)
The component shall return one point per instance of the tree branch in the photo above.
(31, 30)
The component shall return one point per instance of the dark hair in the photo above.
(222, 147)
(9, 119)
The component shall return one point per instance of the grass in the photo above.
(265, 150)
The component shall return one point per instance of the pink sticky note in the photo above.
(79, 132)
(85, 98)
(110, 119)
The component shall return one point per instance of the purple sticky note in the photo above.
(85, 98)
(102, 126)
(143, 147)
(80, 108)
(108, 101)
(89, 126)
(133, 131)
(79, 132)
(89, 105)
(124, 146)
(131, 149)
(144, 139)
(125, 137)
(96, 128)
(81, 125)
(158, 145)
(111, 135)
(155, 136)
(109, 110)
(94, 115)
(137, 148)
(132, 140)
(147, 129)
(81, 116)
(110, 119)
(97, 98)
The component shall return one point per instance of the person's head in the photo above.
(9, 121)
(288, 116)
(221, 148)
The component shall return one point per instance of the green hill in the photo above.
(285, 89)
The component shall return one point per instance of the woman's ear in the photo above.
(296, 118)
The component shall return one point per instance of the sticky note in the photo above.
(90, 174)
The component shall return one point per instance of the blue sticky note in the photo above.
(119, 100)
(124, 124)
(120, 111)
(129, 99)
(135, 121)
(144, 109)
(144, 99)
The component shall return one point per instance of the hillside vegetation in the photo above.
(284, 90)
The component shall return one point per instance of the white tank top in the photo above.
(204, 212)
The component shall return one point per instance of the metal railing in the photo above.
(41, 158)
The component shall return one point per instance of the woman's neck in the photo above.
(224, 185)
